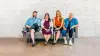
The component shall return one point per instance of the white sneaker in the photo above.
(70, 42)
(54, 42)
(65, 42)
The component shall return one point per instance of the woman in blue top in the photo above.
(69, 25)
(32, 25)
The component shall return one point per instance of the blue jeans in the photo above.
(64, 32)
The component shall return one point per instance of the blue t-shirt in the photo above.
(32, 21)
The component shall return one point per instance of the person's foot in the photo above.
(33, 44)
(70, 42)
(46, 43)
(65, 43)
(54, 42)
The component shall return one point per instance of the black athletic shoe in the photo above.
(46, 43)
(54, 43)
(33, 44)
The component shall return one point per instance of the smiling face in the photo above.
(34, 14)
(70, 15)
(46, 16)
(57, 14)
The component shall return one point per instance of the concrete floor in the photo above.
(18, 47)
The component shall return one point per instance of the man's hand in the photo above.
(28, 26)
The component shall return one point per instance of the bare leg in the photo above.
(32, 35)
(48, 37)
(45, 36)
(57, 35)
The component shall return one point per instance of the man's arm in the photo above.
(27, 24)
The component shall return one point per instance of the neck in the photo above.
(35, 17)
(70, 18)
(46, 19)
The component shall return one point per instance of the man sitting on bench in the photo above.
(32, 25)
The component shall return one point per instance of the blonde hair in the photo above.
(60, 15)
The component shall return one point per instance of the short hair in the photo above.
(35, 12)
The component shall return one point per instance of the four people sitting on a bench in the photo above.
(60, 25)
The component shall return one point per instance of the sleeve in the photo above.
(76, 21)
(39, 22)
(65, 25)
(27, 22)
(42, 22)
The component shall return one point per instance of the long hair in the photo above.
(60, 15)
(48, 16)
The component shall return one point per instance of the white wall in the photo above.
(14, 13)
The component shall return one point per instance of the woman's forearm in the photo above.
(64, 27)
(54, 25)
(60, 26)
(44, 28)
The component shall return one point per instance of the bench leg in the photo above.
(73, 40)
(54, 37)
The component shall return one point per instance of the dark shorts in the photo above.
(34, 26)
(70, 31)
(57, 30)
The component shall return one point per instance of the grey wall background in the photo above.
(14, 13)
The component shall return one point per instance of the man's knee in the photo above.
(32, 30)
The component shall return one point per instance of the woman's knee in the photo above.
(64, 33)
(58, 32)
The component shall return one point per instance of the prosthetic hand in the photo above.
(73, 27)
